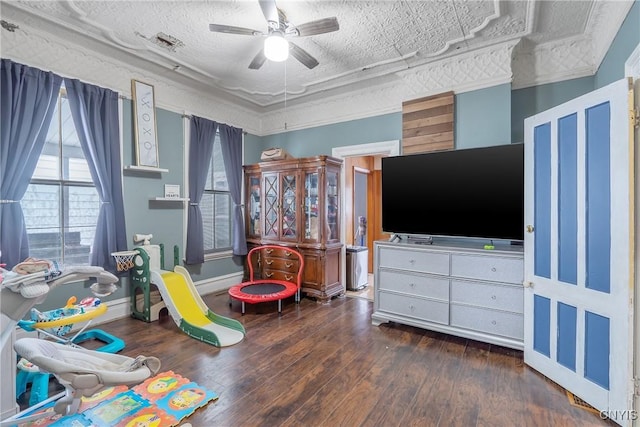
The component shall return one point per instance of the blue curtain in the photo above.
(95, 115)
(231, 143)
(28, 98)
(203, 132)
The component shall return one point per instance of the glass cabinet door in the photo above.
(289, 204)
(271, 205)
(333, 206)
(310, 206)
(254, 205)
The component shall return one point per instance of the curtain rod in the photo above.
(190, 116)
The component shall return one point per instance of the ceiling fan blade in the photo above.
(302, 55)
(258, 60)
(228, 29)
(321, 26)
(270, 11)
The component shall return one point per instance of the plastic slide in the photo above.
(191, 314)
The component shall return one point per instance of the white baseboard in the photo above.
(121, 308)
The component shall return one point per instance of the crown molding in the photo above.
(632, 64)
(604, 23)
(552, 62)
(476, 70)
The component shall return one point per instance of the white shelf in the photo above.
(170, 199)
(145, 169)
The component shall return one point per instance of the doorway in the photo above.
(363, 159)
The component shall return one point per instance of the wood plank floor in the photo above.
(326, 365)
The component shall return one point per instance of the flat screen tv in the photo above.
(477, 192)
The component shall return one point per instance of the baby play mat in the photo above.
(159, 401)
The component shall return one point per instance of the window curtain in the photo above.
(95, 115)
(27, 103)
(203, 132)
(231, 144)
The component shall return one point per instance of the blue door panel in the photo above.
(541, 325)
(597, 347)
(598, 193)
(568, 199)
(542, 196)
(567, 321)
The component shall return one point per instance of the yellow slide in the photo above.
(191, 314)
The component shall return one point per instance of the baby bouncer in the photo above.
(82, 372)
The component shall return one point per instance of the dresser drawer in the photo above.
(422, 309)
(422, 261)
(490, 321)
(290, 265)
(414, 284)
(496, 269)
(268, 273)
(501, 297)
(277, 253)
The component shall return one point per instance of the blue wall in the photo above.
(163, 219)
(476, 126)
(321, 139)
(483, 117)
(532, 100)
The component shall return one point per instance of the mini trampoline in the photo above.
(256, 291)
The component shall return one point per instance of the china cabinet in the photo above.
(296, 203)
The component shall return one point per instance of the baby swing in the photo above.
(82, 372)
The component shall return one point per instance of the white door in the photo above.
(579, 247)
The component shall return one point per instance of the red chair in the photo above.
(256, 291)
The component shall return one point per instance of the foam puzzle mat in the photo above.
(163, 400)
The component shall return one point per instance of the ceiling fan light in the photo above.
(276, 48)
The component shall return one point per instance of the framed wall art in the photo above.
(144, 113)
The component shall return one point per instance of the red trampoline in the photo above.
(256, 291)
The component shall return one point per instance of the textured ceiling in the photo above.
(375, 39)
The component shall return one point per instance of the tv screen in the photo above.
(477, 192)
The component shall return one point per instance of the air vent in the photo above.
(163, 40)
(8, 26)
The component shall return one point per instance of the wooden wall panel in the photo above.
(428, 124)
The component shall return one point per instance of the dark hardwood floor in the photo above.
(326, 365)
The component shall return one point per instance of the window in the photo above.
(216, 204)
(61, 204)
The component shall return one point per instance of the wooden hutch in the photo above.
(296, 203)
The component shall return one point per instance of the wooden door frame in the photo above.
(632, 69)
(384, 148)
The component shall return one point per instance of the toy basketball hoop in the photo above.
(124, 259)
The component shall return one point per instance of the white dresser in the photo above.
(461, 290)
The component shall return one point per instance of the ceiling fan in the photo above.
(276, 46)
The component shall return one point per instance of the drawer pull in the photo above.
(411, 307)
(494, 297)
(268, 261)
(288, 253)
(288, 278)
(268, 274)
(413, 285)
(493, 322)
(288, 264)
(412, 261)
(493, 269)
(269, 251)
